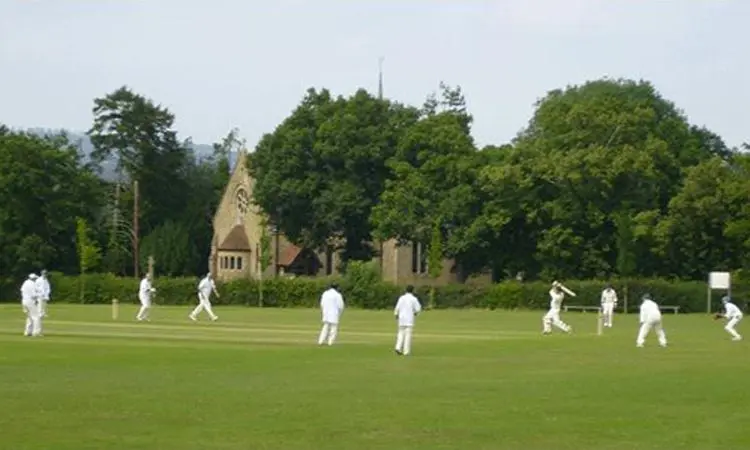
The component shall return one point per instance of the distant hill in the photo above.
(108, 166)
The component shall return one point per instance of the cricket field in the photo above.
(256, 380)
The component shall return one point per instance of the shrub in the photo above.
(363, 288)
(453, 296)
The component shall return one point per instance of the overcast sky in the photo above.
(244, 63)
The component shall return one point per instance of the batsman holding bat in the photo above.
(557, 295)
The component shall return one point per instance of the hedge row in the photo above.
(364, 292)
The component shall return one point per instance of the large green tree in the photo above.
(505, 224)
(592, 155)
(321, 171)
(44, 187)
(140, 135)
(433, 182)
(174, 249)
(707, 225)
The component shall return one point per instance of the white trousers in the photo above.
(43, 307)
(608, 312)
(646, 328)
(203, 304)
(730, 327)
(33, 319)
(145, 309)
(403, 339)
(553, 318)
(328, 333)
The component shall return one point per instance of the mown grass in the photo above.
(256, 380)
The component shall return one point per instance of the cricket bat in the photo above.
(564, 289)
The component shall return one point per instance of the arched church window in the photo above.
(242, 200)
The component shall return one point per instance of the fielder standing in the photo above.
(205, 287)
(609, 303)
(145, 291)
(407, 308)
(733, 315)
(43, 290)
(650, 320)
(331, 308)
(30, 305)
(552, 317)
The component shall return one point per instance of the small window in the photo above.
(221, 263)
(231, 263)
(239, 263)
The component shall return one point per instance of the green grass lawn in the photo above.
(256, 380)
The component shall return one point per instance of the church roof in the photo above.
(236, 240)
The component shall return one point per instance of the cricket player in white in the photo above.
(650, 319)
(30, 305)
(43, 288)
(407, 307)
(331, 308)
(144, 295)
(609, 303)
(733, 315)
(553, 315)
(205, 288)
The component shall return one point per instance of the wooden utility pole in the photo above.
(136, 243)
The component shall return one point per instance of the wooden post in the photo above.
(115, 308)
(136, 213)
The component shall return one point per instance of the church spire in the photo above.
(380, 78)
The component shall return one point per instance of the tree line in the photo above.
(58, 212)
(607, 178)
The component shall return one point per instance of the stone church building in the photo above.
(235, 250)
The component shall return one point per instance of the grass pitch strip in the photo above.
(476, 380)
